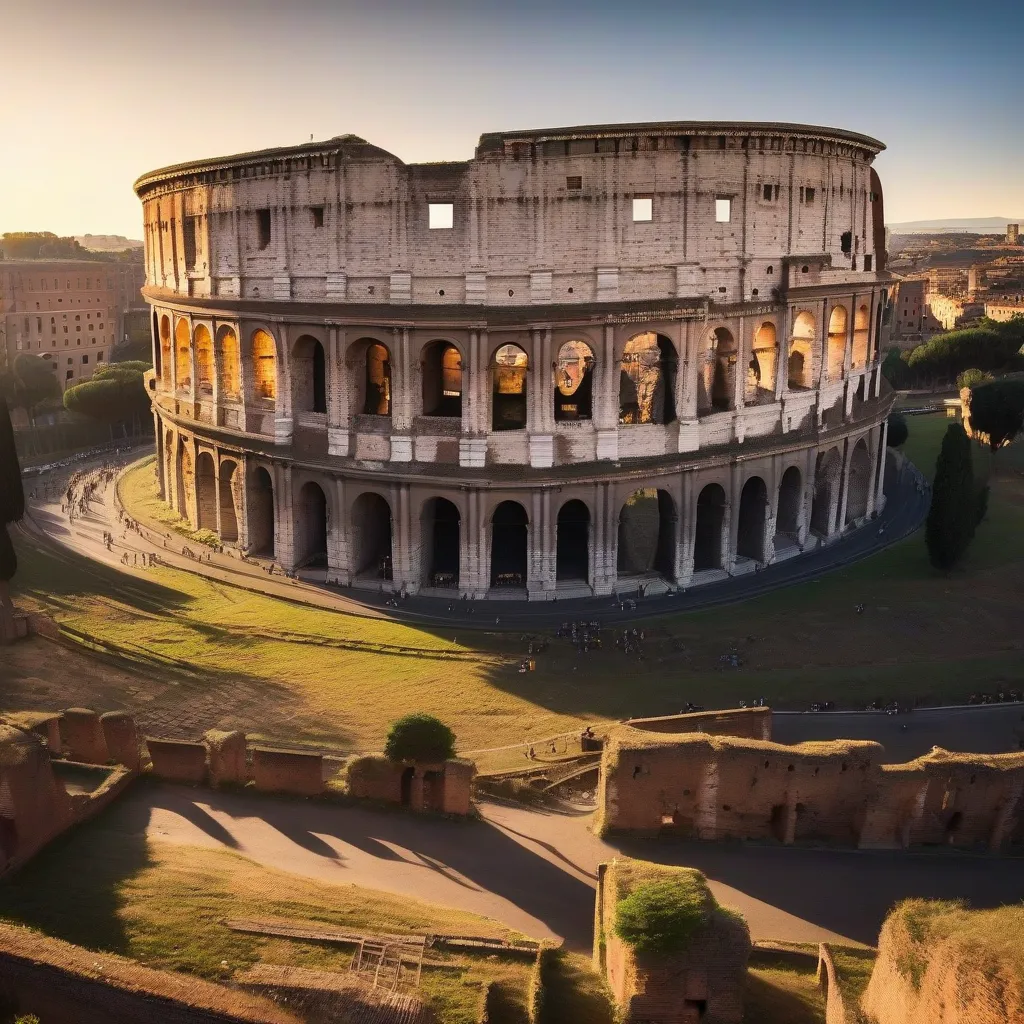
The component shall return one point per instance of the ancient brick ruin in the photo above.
(445, 787)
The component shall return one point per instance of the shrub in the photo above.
(898, 430)
(419, 737)
(972, 377)
(997, 409)
(662, 916)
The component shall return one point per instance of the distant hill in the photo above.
(975, 225)
(107, 243)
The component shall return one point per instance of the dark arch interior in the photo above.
(753, 511)
(826, 475)
(311, 535)
(440, 543)
(509, 538)
(647, 534)
(707, 544)
(206, 492)
(228, 519)
(647, 381)
(261, 514)
(377, 401)
(442, 380)
(157, 354)
(788, 519)
(572, 557)
(860, 483)
(371, 536)
(508, 389)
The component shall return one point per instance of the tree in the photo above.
(997, 409)
(30, 384)
(953, 515)
(972, 378)
(114, 394)
(419, 737)
(661, 916)
(989, 347)
(898, 430)
(12, 508)
(895, 369)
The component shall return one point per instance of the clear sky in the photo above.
(97, 92)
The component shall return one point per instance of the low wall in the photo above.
(177, 760)
(64, 984)
(227, 757)
(285, 771)
(122, 739)
(752, 723)
(81, 736)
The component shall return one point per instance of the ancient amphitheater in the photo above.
(587, 360)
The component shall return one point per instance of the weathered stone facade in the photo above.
(586, 360)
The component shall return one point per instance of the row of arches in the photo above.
(647, 370)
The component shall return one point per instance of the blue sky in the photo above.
(105, 91)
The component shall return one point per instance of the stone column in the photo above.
(879, 489)
(548, 546)
(606, 412)
(338, 438)
(284, 525)
(401, 376)
(808, 496)
(539, 421)
(689, 524)
(686, 386)
(161, 455)
(837, 519)
(782, 342)
(242, 505)
(731, 520)
(772, 511)
(216, 493)
(283, 424)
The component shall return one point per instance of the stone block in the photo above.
(122, 739)
(177, 760)
(81, 736)
(227, 758)
(286, 771)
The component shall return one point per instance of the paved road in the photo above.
(536, 871)
(904, 512)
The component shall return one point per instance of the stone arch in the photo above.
(764, 361)
(230, 374)
(790, 504)
(827, 473)
(646, 537)
(709, 550)
(574, 381)
(441, 369)
(260, 506)
(228, 511)
(440, 542)
(859, 482)
(206, 492)
(753, 514)
(182, 354)
(312, 524)
(204, 358)
(719, 372)
(572, 542)
(372, 537)
(264, 364)
(647, 380)
(309, 375)
(836, 350)
(166, 355)
(861, 333)
(799, 367)
(509, 368)
(510, 532)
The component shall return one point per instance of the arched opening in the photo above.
(720, 371)
(761, 373)
(752, 517)
(377, 381)
(826, 481)
(309, 375)
(572, 547)
(647, 380)
(182, 355)
(311, 527)
(204, 359)
(439, 542)
(787, 521)
(442, 380)
(509, 540)
(861, 332)
(166, 356)
(371, 536)
(186, 483)
(508, 388)
(230, 371)
(801, 347)
(158, 362)
(264, 365)
(859, 483)
(836, 342)
(206, 493)
(574, 382)
(228, 516)
(261, 513)
(647, 524)
(708, 549)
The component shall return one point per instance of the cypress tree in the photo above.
(953, 513)
(12, 508)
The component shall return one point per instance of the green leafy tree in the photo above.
(419, 737)
(895, 369)
(12, 508)
(661, 916)
(972, 378)
(989, 347)
(997, 409)
(115, 394)
(898, 430)
(953, 515)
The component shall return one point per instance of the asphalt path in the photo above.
(536, 871)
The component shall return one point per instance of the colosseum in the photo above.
(587, 361)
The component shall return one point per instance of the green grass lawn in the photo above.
(284, 670)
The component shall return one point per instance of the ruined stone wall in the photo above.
(287, 771)
(178, 760)
(753, 723)
(838, 792)
(836, 1009)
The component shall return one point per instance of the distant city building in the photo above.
(1013, 234)
(1005, 309)
(69, 312)
(947, 280)
(952, 312)
(912, 320)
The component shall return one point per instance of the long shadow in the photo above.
(167, 799)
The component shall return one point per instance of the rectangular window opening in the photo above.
(867, 261)
(723, 210)
(189, 238)
(441, 216)
(643, 208)
(263, 227)
(574, 182)
(318, 216)
(769, 193)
